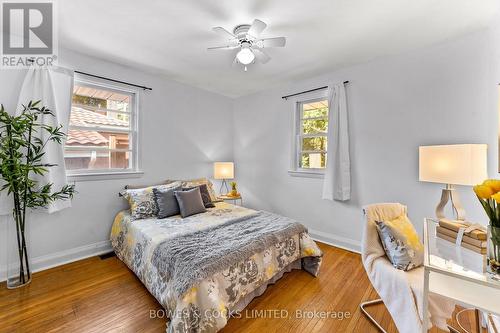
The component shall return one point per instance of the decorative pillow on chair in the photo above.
(205, 195)
(166, 201)
(190, 202)
(142, 201)
(401, 243)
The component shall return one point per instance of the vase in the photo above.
(493, 250)
(18, 272)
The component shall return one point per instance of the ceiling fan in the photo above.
(246, 39)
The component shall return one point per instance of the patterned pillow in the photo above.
(401, 243)
(142, 201)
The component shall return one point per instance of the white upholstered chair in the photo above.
(400, 291)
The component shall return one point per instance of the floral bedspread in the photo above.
(206, 306)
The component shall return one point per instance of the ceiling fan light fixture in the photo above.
(245, 38)
(245, 56)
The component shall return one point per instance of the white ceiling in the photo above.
(171, 37)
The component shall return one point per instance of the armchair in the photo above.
(400, 291)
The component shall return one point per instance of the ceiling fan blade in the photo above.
(224, 47)
(223, 33)
(256, 28)
(271, 42)
(261, 56)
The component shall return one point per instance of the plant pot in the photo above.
(18, 272)
(493, 250)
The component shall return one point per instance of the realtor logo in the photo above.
(28, 34)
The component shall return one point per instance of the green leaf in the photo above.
(21, 152)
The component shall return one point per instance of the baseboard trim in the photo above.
(64, 257)
(337, 241)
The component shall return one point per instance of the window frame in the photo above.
(114, 173)
(295, 169)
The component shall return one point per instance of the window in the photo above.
(102, 133)
(310, 136)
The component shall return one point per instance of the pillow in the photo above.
(401, 243)
(142, 201)
(166, 201)
(205, 195)
(196, 182)
(190, 202)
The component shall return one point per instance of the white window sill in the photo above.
(79, 177)
(306, 173)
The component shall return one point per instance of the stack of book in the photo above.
(474, 240)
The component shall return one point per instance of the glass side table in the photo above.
(457, 273)
(234, 200)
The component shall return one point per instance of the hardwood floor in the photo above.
(95, 295)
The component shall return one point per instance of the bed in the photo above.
(204, 268)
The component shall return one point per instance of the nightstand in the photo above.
(231, 198)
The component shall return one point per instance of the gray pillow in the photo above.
(190, 202)
(205, 195)
(166, 201)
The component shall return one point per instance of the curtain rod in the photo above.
(308, 91)
(113, 80)
(31, 61)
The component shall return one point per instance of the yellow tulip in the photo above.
(483, 191)
(494, 184)
(496, 197)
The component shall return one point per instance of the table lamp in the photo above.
(463, 164)
(224, 171)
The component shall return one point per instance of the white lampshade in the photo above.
(223, 170)
(453, 164)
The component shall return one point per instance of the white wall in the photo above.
(182, 131)
(439, 95)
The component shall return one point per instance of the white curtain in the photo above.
(54, 88)
(337, 180)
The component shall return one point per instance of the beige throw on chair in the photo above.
(401, 292)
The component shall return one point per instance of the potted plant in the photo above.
(488, 194)
(234, 191)
(23, 139)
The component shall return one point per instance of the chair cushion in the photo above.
(401, 243)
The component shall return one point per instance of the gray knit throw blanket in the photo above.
(186, 260)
